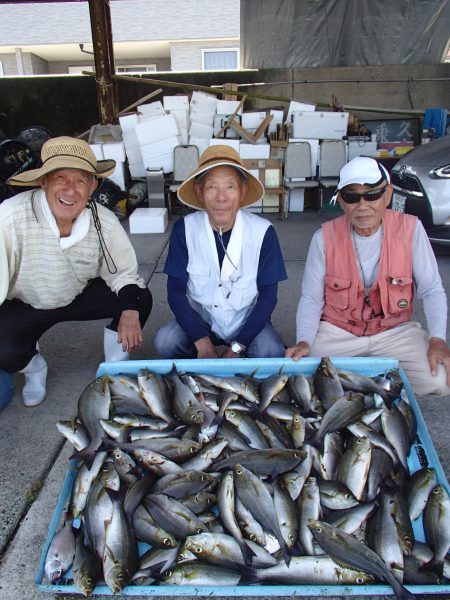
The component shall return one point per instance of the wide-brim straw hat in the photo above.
(218, 156)
(65, 153)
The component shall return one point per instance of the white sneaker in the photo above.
(35, 389)
(112, 349)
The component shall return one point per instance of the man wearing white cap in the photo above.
(223, 266)
(361, 274)
(64, 258)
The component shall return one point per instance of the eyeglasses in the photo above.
(354, 197)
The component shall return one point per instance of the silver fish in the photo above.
(205, 458)
(86, 568)
(172, 515)
(309, 507)
(335, 495)
(60, 551)
(269, 387)
(186, 483)
(153, 390)
(420, 485)
(82, 483)
(354, 466)
(74, 432)
(346, 549)
(264, 462)
(327, 383)
(185, 405)
(436, 522)
(201, 574)
(351, 519)
(396, 431)
(147, 530)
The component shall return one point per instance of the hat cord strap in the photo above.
(98, 226)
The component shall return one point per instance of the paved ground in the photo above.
(34, 455)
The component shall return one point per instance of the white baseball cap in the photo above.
(362, 170)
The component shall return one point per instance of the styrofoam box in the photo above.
(156, 129)
(130, 139)
(137, 169)
(176, 102)
(161, 161)
(227, 107)
(201, 143)
(148, 220)
(200, 130)
(422, 453)
(252, 120)
(114, 150)
(201, 115)
(322, 125)
(181, 117)
(361, 148)
(254, 150)
(229, 133)
(224, 142)
(206, 101)
(128, 122)
(277, 120)
(97, 149)
(134, 154)
(158, 148)
(296, 200)
(184, 136)
(295, 106)
(153, 108)
(119, 171)
(120, 181)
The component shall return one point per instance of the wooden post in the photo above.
(104, 59)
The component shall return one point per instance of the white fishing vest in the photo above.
(224, 297)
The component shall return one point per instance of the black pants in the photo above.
(21, 325)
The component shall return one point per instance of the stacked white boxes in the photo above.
(178, 106)
(116, 151)
(132, 150)
(202, 111)
(157, 139)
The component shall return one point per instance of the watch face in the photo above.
(236, 348)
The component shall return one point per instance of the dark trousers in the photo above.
(21, 325)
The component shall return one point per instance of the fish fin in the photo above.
(87, 455)
(249, 575)
(247, 553)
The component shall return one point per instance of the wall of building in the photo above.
(188, 55)
(73, 107)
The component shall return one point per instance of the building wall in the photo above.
(9, 63)
(188, 55)
(133, 20)
(57, 67)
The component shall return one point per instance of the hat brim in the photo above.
(187, 194)
(33, 176)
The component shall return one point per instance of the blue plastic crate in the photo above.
(422, 454)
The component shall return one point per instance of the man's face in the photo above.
(67, 191)
(221, 190)
(366, 215)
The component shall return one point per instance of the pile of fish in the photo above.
(199, 479)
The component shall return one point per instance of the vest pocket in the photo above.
(199, 280)
(337, 291)
(242, 292)
(399, 293)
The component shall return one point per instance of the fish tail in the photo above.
(247, 553)
(249, 575)
(87, 455)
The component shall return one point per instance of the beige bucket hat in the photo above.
(217, 156)
(65, 153)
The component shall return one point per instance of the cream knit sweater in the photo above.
(34, 268)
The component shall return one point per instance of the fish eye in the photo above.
(360, 580)
(291, 537)
(347, 496)
(252, 537)
(203, 478)
(191, 450)
(239, 471)
(166, 542)
(198, 550)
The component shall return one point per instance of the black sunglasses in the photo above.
(354, 197)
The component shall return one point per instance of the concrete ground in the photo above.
(34, 454)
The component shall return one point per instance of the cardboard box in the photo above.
(114, 150)
(254, 151)
(156, 129)
(176, 102)
(148, 220)
(320, 125)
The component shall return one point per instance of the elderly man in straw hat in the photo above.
(223, 266)
(64, 258)
(361, 274)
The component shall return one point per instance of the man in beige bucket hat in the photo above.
(223, 266)
(64, 258)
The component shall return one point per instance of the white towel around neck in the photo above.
(80, 226)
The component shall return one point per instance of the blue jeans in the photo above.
(171, 341)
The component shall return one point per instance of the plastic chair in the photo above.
(332, 157)
(185, 160)
(298, 168)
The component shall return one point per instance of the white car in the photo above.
(421, 182)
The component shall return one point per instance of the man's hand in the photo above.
(129, 330)
(228, 353)
(298, 351)
(439, 354)
(205, 348)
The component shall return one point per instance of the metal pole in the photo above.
(104, 58)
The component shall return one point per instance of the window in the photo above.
(77, 70)
(220, 59)
(135, 68)
(1, 69)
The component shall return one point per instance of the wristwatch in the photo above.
(237, 348)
